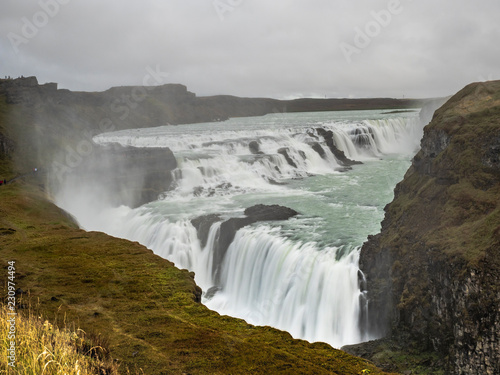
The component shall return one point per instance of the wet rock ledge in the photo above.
(132, 176)
(228, 228)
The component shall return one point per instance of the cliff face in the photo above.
(25, 90)
(146, 106)
(125, 175)
(433, 273)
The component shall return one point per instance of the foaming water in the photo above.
(216, 161)
(294, 286)
(299, 275)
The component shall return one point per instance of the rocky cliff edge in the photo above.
(433, 273)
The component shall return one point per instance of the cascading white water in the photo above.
(300, 275)
(216, 162)
(298, 287)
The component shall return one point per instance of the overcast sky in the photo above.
(255, 48)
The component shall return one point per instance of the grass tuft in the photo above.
(44, 349)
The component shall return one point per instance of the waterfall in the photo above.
(308, 290)
(301, 275)
(226, 163)
(297, 287)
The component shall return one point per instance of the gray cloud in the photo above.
(256, 48)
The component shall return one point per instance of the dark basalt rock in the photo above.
(321, 152)
(343, 169)
(229, 228)
(198, 190)
(197, 291)
(26, 90)
(363, 137)
(128, 175)
(312, 135)
(211, 191)
(317, 147)
(254, 148)
(203, 224)
(274, 182)
(284, 151)
(339, 155)
(262, 212)
(491, 151)
(211, 292)
(152, 164)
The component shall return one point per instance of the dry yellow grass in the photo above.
(43, 349)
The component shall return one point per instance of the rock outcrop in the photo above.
(25, 90)
(228, 228)
(254, 148)
(330, 142)
(433, 273)
(203, 224)
(285, 152)
(127, 175)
